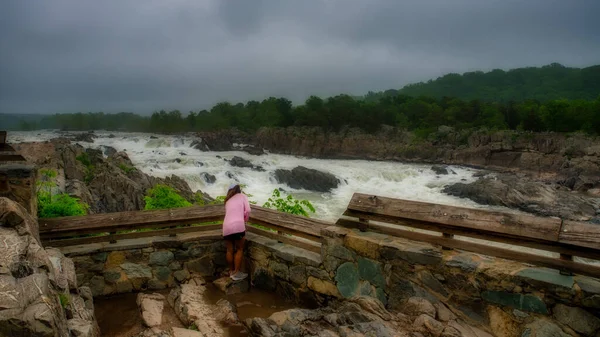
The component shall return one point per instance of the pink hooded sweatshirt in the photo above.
(237, 212)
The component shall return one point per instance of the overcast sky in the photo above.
(145, 55)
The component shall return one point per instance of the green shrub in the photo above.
(126, 168)
(65, 300)
(59, 205)
(89, 167)
(52, 206)
(164, 197)
(289, 204)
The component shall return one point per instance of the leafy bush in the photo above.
(289, 204)
(65, 300)
(52, 206)
(163, 197)
(59, 205)
(126, 168)
(89, 167)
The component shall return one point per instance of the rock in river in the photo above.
(309, 179)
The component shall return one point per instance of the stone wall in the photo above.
(17, 182)
(506, 298)
(145, 264)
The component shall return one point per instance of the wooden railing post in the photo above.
(447, 236)
(364, 224)
(566, 257)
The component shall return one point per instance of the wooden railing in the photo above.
(567, 238)
(111, 227)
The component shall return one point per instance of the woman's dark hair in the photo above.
(233, 191)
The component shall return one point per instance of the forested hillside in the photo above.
(549, 82)
(551, 98)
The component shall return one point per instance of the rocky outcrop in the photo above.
(358, 316)
(39, 294)
(109, 184)
(573, 160)
(304, 178)
(192, 308)
(531, 196)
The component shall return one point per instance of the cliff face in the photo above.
(572, 161)
(110, 184)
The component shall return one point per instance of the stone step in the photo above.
(230, 287)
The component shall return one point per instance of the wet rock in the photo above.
(191, 307)
(527, 195)
(416, 306)
(305, 178)
(151, 307)
(240, 162)
(230, 287)
(257, 151)
(208, 178)
(226, 312)
(442, 170)
(577, 319)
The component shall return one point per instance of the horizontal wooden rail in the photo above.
(568, 238)
(76, 230)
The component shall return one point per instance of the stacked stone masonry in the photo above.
(505, 298)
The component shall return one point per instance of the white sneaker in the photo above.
(239, 276)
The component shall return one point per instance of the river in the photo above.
(163, 155)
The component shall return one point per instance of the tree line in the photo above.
(422, 113)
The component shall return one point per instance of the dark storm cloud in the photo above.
(73, 55)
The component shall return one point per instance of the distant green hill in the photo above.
(19, 121)
(550, 82)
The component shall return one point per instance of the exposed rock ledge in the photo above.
(39, 295)
(112, 185)
(510, 190)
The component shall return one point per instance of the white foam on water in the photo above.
(162, 156)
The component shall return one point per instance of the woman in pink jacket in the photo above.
(237, 212)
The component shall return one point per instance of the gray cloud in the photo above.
(127, 55)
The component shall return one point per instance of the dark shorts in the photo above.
(235, 236)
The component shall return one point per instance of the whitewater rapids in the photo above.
(161, 156)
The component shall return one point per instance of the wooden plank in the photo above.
(135, 235)
(132, 219)
(285, 239)
(309, 234)
(116, 227)
(288, 223)
(504, 223)
(580, 234)
(580, 268)
(551, 247)
(2, 137)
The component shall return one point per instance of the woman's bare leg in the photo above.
(230, 261)
(239, 254)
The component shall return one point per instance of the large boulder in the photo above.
(240, 162)
(39, 295)
(304, 178)
(528, 195)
